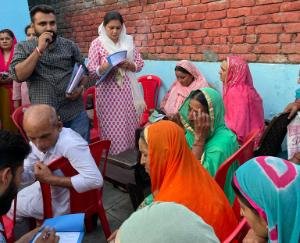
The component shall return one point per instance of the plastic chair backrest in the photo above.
(239, 232)
(272, 138)
(79, 202)
(17, 117)
(243, 154)
(151, 84)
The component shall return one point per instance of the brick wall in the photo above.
(202, 30)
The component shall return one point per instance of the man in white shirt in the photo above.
(49, 141)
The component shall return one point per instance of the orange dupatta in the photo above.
(177, 176)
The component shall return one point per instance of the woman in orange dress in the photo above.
(177, 176)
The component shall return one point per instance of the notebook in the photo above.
(77, 73)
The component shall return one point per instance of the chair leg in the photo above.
(103, 220)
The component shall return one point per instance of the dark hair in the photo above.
(200, 97)
(26, 28)
(181, 69)
(41, 8)
(8, 31)
(113, 15)
(242, 198)
(13, 150)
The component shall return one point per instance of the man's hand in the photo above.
(292, 108)
(44, 40)
(42, 172)
(77, 93)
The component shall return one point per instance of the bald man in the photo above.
(49, 141)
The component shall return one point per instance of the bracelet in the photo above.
(38, 51)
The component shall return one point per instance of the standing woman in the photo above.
(119, 98)
(7, 44)
(243, 106)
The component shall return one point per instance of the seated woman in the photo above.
(149, 225)
(271, 201)
(243, 106)
(188, 78)
(176, 176)
(202, 116)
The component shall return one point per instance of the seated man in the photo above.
(49, 141)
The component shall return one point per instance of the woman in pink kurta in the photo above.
(243, 105)
(119, 98)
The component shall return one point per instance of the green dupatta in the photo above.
(221, 143)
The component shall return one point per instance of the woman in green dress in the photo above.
(202, 116)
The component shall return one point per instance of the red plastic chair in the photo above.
(151, 84)
(9, 225)
(17, 117)
(94, 131)
(89, 202)
(239, 232)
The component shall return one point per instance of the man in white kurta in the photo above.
(49, 141)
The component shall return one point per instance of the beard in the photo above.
(7, 197)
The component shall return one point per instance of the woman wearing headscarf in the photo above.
(202, 116)
(119, 98)
(7, 44)
(271, 201)
(177, 176)
(243, 105)
(188, 78)
(165, 222)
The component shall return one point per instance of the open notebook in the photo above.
(69, 227)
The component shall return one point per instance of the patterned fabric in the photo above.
(243, 106)
(48, 83)
(177, 176)
(221, 143)
(274, 193)
(149, 225)
(178, 93)
(115, 109)
(2, 238)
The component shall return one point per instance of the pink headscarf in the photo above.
(4, 67)
(243, 105)
(178, 93)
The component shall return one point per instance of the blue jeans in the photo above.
(81, 125)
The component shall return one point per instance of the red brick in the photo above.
(140, 37)
(179, 34)
(232, 22)
(187, 49)
(136, 9)
(158, 28)
(145, 29)
(238, 30)
(183, 56)
(160, 21)
(241, 48)
(207, 40)
(149, 43)
(188, 41)
(250, 30)
(166, 35)
(271, 58)
(172, 4)
(261, 2)
(178, 42)
(268, 38)
(241, 3)
(198, 33)
(130, 30)
(223, 39)
(211, 24)
(158, 49)
(283, 38)
(160, 5)
(160, 42)
(267, 48)
(216, 15)
(179, 11)
(269, 28)
(220, 48)
(266, 9)
(297, 37)
(232, 13)
(218, 32)
(238, 39)
(292, 28)
(132, 17)
(170, 49)
(177, 19)
(197, 41)
(197, 8)
(190, 2)
(286, 17)
(156, 36)
(174, 27)
(257, 20)
(170, 42)
(250, 57)
(191, 25)
(295, 58)
(216, 6)
(149, 7)
(291, 48)
(197, 57)
(195, 16)
(162, 13)
(290, 6)
(216, 40)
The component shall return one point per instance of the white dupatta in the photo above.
(125, 42)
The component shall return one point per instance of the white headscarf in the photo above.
(125, 42)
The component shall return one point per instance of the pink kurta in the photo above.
(115, 109)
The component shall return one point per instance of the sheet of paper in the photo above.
(70, 237)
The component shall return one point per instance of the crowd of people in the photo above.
(199, 128)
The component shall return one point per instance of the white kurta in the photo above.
(73, 147)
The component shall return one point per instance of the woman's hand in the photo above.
(127, 65)
(251, 237)
(292, 108)
(201, 126)
(103, 67)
